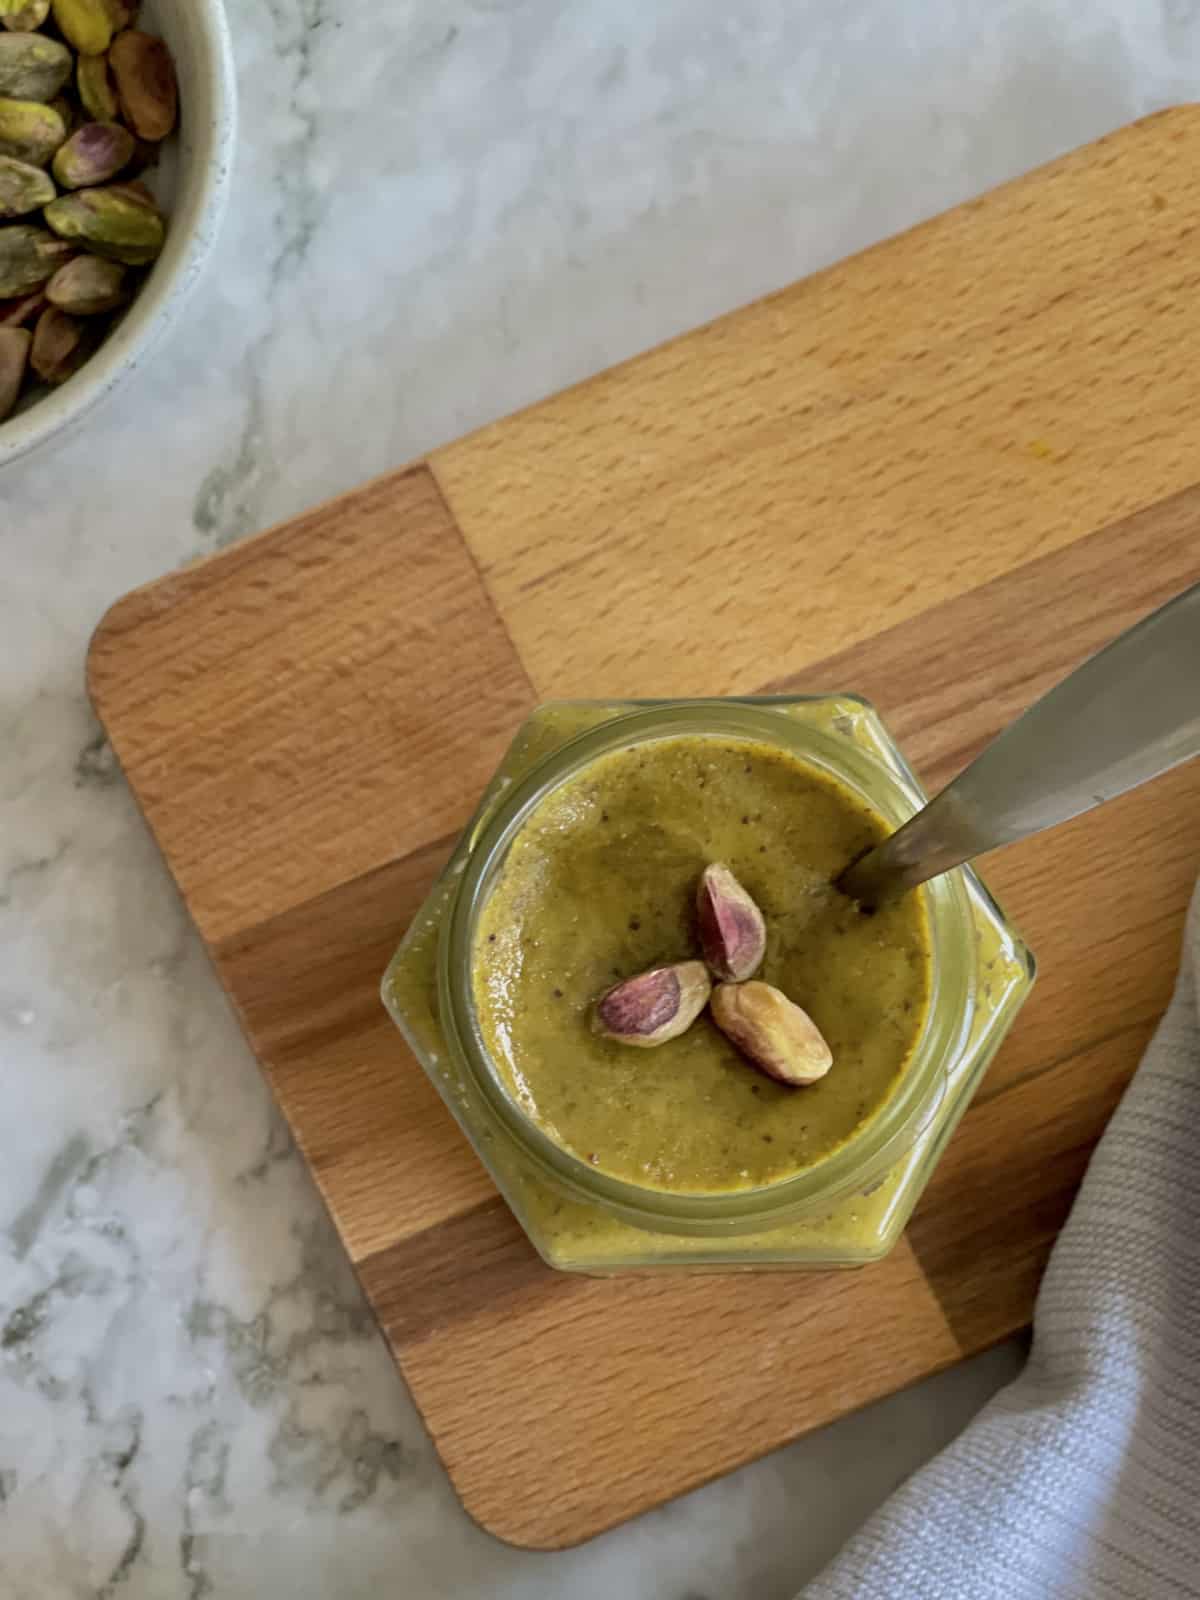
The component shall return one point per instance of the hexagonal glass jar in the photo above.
(850, 1208)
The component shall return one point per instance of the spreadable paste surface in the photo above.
(600, 883)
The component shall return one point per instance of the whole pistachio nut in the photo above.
(117, 223)
(655, 1006)
(145, 76)
(92, 155)
(61, 344)
(87, 286)
(30, 131)
(85, 24)
(733, 934)
(29, 257)
(14, 358)
(32, 67)
(17, 313)
(23, 188)
(771, 1031)
(96, 88)
(24, 16)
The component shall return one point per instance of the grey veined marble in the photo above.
(442, 211)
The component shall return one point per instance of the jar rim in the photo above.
(892, 790)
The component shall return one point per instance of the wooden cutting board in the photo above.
(940, 474)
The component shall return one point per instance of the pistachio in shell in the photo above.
(23, 188)
(29, 257)
(92, 155)
(84, 24)
(117, 223)
(14, 358)
(30, 131)
(24, 16)
(32, 67)
(145, 76)
(87, 286)
(17, 313)
(96, 89)
(61, 344)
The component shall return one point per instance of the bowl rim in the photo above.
(157, 308)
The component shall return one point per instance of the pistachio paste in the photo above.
(600, 885)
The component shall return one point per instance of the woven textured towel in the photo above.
(1081, 1480)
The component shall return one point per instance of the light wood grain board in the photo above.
(939, 474)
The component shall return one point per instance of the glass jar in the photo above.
(851, 1207)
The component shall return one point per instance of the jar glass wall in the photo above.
(847, 1209)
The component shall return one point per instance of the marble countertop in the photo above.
(442, 212)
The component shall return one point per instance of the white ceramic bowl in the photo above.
(193, 185)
